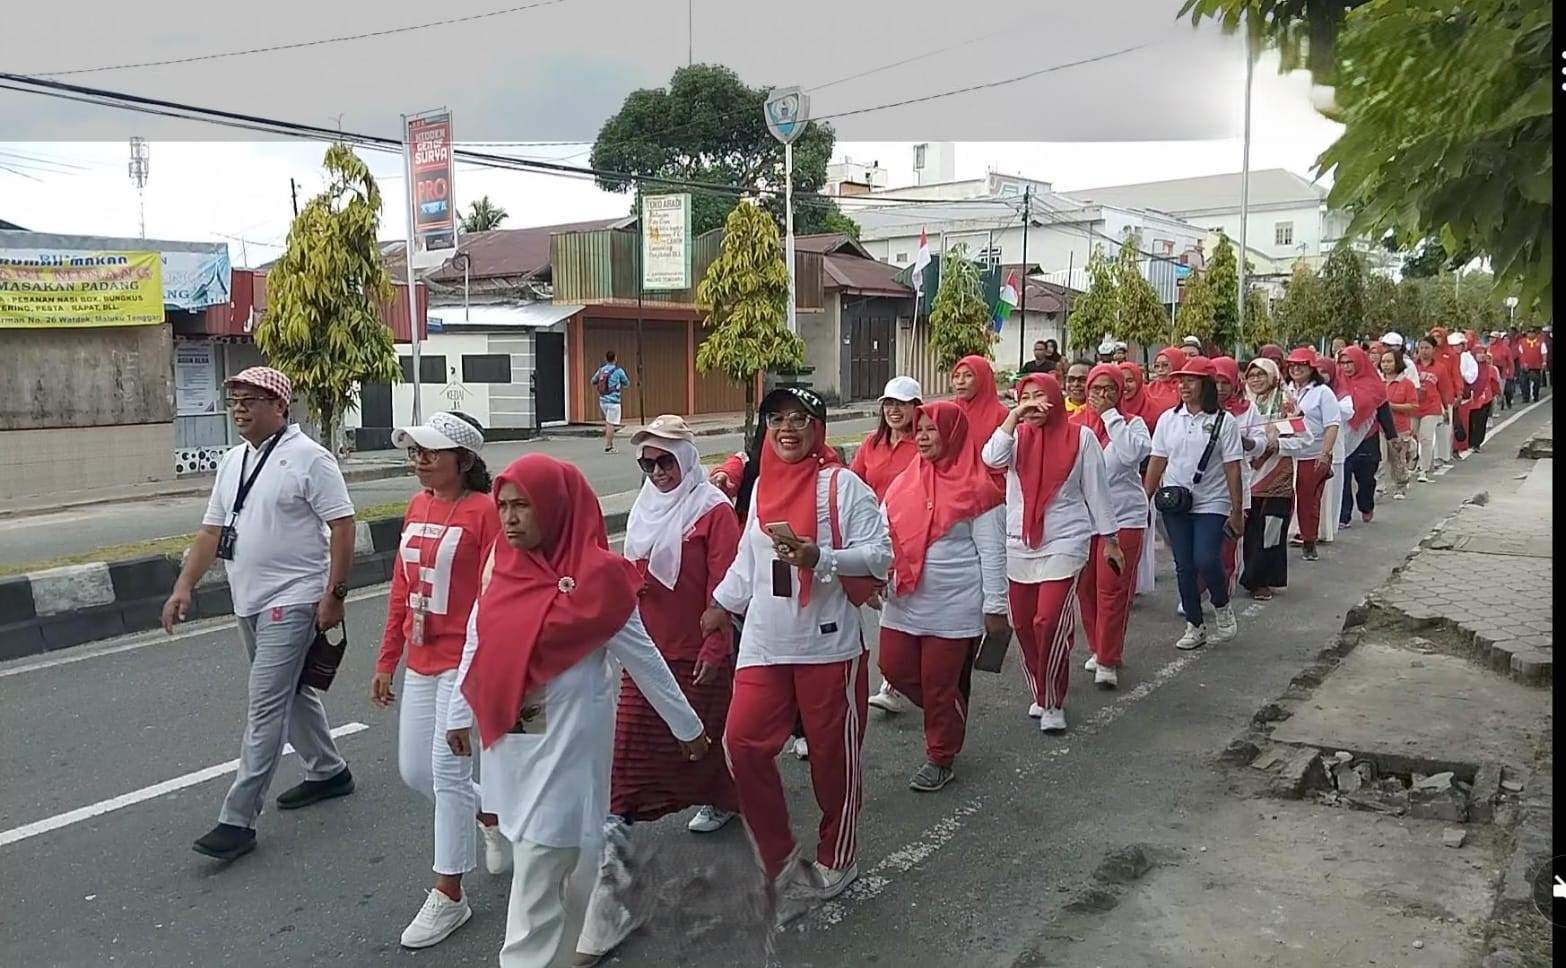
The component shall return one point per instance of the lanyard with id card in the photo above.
(228, 536)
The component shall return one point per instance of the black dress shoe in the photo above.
(314, 791)
(226, 842)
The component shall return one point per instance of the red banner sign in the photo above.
(434, 168)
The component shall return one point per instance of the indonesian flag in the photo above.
(920, 261)
(1289, 426)
(1007, 301)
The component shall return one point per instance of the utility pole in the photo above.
(1022, 297)
(1245, 179)
(293, 191)
(690, 42)
(641, 383)
(140, 168)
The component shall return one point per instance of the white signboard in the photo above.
(195, 380)
(666, 242)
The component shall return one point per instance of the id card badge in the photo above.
(416, 633)
(226, 540)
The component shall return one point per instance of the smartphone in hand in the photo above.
(781, 530)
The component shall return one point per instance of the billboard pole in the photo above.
(787, 111)
(413, 296)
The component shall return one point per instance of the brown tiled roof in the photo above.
(849, 272)
(503, 252)
(828, 242)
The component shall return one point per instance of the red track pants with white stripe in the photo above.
(1105, 597)
(934, 673)
(831, 700)
(1044, 618)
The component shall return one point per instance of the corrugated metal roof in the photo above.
(502, 252)
(1269, 186)
(853, 274)
(535, 315)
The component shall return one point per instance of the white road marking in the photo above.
(145, 793)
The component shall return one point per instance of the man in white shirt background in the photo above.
(276, 499)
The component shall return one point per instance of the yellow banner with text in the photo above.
(55, 290)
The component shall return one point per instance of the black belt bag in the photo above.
(1175, 499)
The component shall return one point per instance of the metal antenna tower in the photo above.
(140, 168)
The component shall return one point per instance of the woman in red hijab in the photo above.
(1057, 500)
(935, 613)
(556, 615)
(1362, 400)
(1103, 592)
(974, 393)
(812, 538)
(1486, 389)
(1163, 390)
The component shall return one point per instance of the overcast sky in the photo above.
(1170, 107)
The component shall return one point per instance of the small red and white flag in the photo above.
(921, 261)
(1289, 426)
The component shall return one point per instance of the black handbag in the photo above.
(321, 662)
(1175, 499)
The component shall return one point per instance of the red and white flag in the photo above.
(1289, 426)
(920, 261)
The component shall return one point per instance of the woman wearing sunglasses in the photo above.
(812, 538)
(447, 532)
(681, 535)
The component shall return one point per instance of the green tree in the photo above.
(1409, 307)
(1140, 316)
(959, 319)
(1093, 313)
(1198, 307)
(1223, 280)
(323, 325)
(1344, 279)
(707, 126)
(1380, 305)
(482, 216)
(1301, 315)
(1447, 120)
(1259, 326)
(745, 295)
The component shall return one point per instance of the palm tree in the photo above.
(482, 216)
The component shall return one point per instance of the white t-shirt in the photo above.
(552, 788)
(1080, 509)
(948, 603)
(1319, 407)
(280, 549)
(1181, 438)
(781, 631)
(1129, 444)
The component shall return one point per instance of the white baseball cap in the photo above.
(1456, 339)
(443, 431)
(664, 427)
(904, 388)
(1107, 347)
(1192, 339)
(1120, 344)
(1392, 339)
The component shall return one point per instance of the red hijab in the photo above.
(985, 412)
(1090, 418)
(1133, 399)
(1273, 352)
(1328, 368)
(1164, 393)
(1225, 368)
(1045, 455)
(930, 497)
(547, 609)
(1364, 387)
(787, 492)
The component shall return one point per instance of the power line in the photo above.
(299, 45)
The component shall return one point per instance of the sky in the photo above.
(1154, 99)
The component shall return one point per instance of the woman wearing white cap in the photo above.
(886, 453)
(682, 535)
(447, 531)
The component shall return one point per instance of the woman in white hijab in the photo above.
(683, 534)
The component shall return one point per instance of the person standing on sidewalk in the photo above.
(682, 535)
(556, 619)
(1057, 501)
(811, 529)
(281, 520)
(1103, 593)
(1197, 450)
(935, 613)
(608, 381)
(447, 532)
(1313, 464)
(1403, 400)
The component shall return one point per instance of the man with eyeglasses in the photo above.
(281, 519)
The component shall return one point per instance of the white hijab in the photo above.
(659, 520)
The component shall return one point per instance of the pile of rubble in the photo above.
(1341, 779)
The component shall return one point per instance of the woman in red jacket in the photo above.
(890, 447)
(447, 532)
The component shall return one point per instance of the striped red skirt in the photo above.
(651, 776)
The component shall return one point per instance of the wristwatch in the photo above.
(340, 590)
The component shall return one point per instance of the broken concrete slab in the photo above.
(1438, 803)
(1512, 786)
(1486, 789)
(1376, 704)
(1454, 836)
(1302, 773)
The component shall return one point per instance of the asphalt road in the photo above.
(44, 536)
(968, 876)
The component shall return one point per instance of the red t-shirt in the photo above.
(1400, 391)
(878, 464)
(1431, 396)
(1530, 353)
(439, 559)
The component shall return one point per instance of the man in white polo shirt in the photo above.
(281, 518)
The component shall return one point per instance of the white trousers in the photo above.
(1425, 431)
(550, 887)
(429, 767)
(1443, 436)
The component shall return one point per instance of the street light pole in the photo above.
(788, 224)
(1245, 179)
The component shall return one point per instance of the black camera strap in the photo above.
(245, 484)
(1207, 455)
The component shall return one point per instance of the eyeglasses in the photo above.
(421, 454)
(245, 403)
(789, 419)
(666, 463)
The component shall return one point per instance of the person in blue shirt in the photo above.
(608, 381)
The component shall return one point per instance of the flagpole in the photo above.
(1022, 323)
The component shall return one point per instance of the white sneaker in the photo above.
(1194, 638)
(1400, 497)
(1053, 721)
(1035, 711)
(497, 850)
(1423, 478)
(1225, 627)
(803, 884)
(1105, 677)
(708, 819)
(890, 700)
(439, 916)
(1463, 455)
(1091, 663)
(801, 748)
